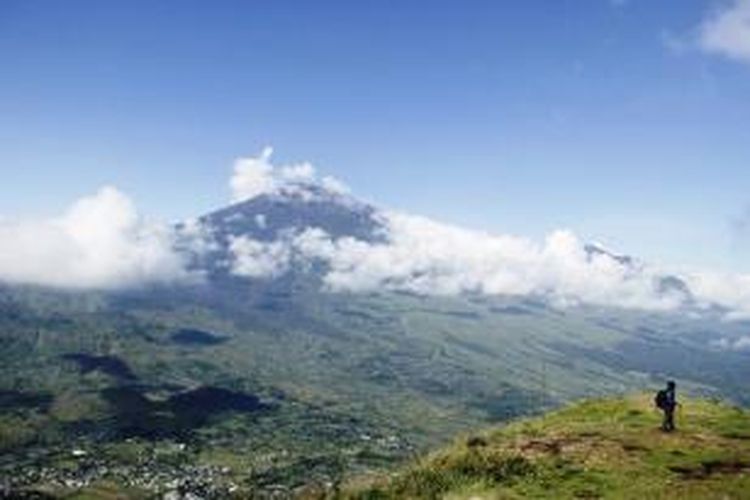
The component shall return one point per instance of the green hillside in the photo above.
(280, 386)
(596, 449)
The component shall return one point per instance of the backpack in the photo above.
(661, 399)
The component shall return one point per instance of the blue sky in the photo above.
(610, 118)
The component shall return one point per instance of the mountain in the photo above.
(265, 216)
(609, 448)
(263, 373)
(596, 250)
(268, 217)
(295, 229)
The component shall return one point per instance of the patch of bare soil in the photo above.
(708, 468)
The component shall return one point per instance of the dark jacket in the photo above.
(671, 400)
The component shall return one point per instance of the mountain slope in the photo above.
(596, 449)
(283, 380)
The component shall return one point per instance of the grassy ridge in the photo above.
(596, 449)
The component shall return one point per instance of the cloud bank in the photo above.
(420, 255)
(739, 344)
(256, 259)
(727, 31)
(99, 242)
(423, 256)
(426, 257)
(731, 291)
(103, 242)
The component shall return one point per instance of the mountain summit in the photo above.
(293, 209)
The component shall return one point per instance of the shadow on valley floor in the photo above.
(109, 365)
(19, 400)
(197, 338)
(137, 415)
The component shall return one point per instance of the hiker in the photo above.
(666, 401)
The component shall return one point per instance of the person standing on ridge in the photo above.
(666, 401)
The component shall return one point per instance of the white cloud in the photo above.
(727, 31)
(302, 172)
(257, 259)
(739, 344)
(256, 176)
(253, 177)
(195, 237)
(334, 185)
(424, 256)
(729, 290)
(100, 241)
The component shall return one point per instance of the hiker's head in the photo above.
(671, 384)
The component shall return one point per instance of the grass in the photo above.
(337, 368)
(609, 448)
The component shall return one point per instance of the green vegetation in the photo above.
(609, 448)
(265, 385)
